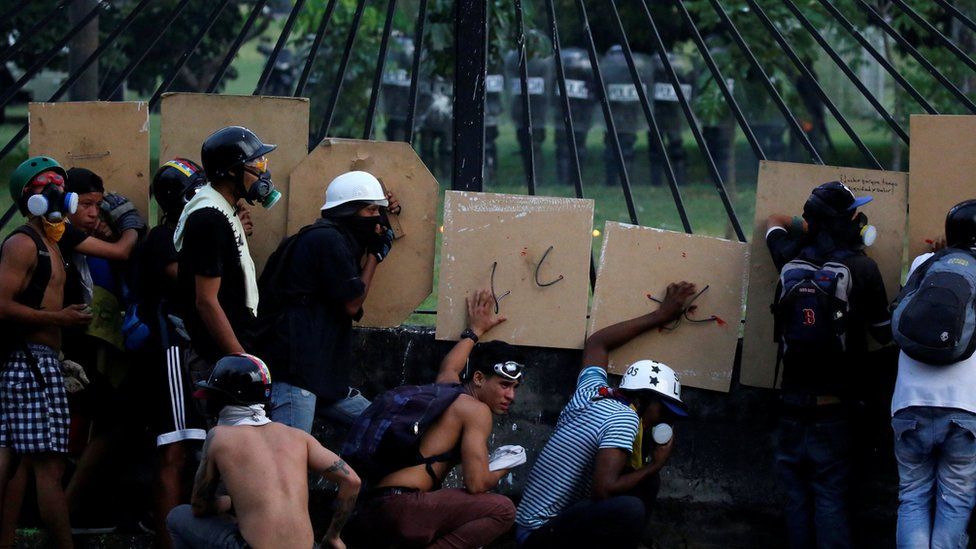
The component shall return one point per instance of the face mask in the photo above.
(52, 203)
(867, 233)
(263, 191)
(54, 231)
(363, 228)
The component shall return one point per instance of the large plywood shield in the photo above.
(405, 278)
(188, 118)
(783, 188)
(636, 266)
(532, 251)
(108, 138)
(943, 173)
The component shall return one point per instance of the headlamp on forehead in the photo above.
(509, 370)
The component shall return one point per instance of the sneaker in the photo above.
(90, 524)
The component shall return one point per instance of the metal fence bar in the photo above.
(941, 78)
(878, 56)
(470, 70)
(721, 82)
(282, 40)
(954, 11)
(236, 46)
(567, 116)
(109, 90)
(692, 123)
(314, 49)
(523, 71)
(185, 56)
(767, 83)
(802, 67)
(380, 66)
(341, 73)
(608, 118)
(49, 54)
(418, 41)
(655, 131)
(26, 35)
(908, 10)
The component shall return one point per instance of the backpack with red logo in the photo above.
(811, 307)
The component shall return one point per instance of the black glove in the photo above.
(381, 244)
(122, 213)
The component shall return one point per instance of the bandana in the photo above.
(53, 231)
(235, 415)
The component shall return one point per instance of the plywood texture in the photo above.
(188, 118)
(405, 278)
(637, 262)
(783, 188)
(515, 231)
(108, 138)
(943, 173)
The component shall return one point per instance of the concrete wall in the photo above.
(719, 488)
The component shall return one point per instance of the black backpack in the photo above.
(934, 315)
(11, 335)
(386, 436)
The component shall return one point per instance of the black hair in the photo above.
(486, 355)
(348, 209)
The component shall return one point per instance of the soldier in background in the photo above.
(579, 89)
(494, 87)
(539, 66)
(395, 87)
(628, 117)
(435, 119)
(667, 112)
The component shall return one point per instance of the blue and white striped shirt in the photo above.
(563, 473)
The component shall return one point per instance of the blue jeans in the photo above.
(936, 453)
(295, 407)
(812, 461)
(190, 532)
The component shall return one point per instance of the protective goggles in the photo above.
(259, 164)
(47, 178)
(509, 370)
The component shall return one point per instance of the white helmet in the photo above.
(354, 186)
(646, 375)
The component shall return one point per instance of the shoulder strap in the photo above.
(289, 246)
(33, 294)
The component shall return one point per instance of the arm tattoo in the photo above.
(339, 465)
(344, 507)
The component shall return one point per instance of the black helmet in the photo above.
(229, 148)
(239, 379)
(960, 224)
(175, 182)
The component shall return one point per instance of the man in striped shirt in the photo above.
(586, 489)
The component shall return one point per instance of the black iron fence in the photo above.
(787, 26)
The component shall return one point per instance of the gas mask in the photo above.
(866, 233)
(52, 203)
(263, 190)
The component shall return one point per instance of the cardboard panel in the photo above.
(943, 173)
(513, 234)
(108, 138)
(638, 263)
(783, 188)
(188, 118)
(405, 278)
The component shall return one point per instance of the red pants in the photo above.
(442, 518)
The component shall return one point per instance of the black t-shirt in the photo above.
(154, 254)
(210, 249)
(310, 345)
(868, 306)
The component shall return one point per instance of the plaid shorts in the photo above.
(33, 419)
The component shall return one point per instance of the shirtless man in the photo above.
(408, 505)
(33, 404)
(264, 467)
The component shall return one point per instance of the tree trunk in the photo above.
(80, 47)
